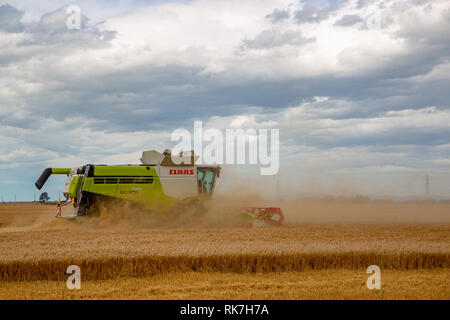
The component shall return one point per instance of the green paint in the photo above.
(136, 183)
(61, 170)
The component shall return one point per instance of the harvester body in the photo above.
(158, 183)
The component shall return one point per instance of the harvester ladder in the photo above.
(80, 188)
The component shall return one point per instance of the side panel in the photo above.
(135, 183)
(67, 186)
(179, 182)
(74, 187)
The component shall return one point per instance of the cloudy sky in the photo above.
(359, 89)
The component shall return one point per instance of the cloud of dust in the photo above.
(235, 191)
(117, 214)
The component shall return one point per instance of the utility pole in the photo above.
(427, 186)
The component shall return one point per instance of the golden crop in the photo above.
(323, 284)
(43, 250)
(122, 255)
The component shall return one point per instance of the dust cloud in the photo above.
(226, 210)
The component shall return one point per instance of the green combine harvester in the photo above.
(162, 182)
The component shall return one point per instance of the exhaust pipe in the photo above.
(47, 172)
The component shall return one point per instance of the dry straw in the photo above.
(112, 268)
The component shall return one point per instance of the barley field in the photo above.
(324, 284)
(313, 256)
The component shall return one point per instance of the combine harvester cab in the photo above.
(160, 183)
